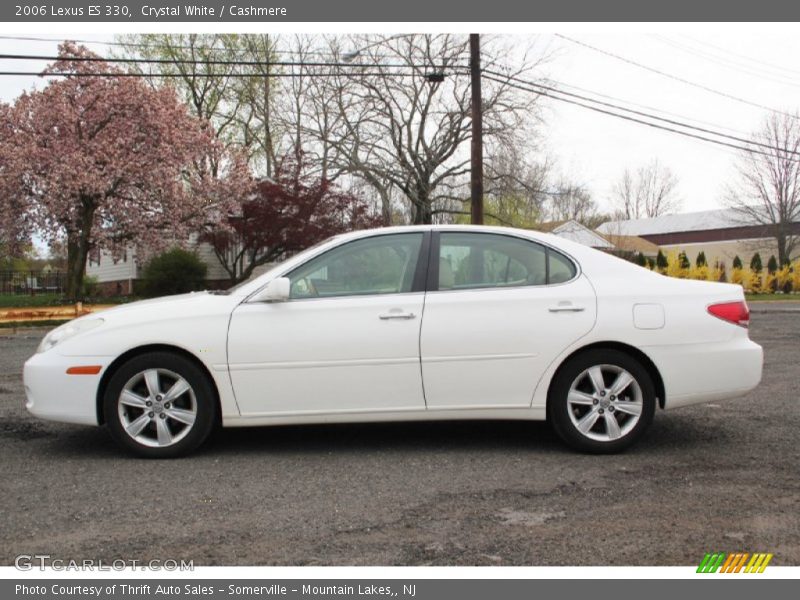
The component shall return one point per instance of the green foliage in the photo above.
(173, 272)
(90, 284)
(661, 261)
(755, 263)
(701, 260)
(640, 260)
(651, 263)
(772, 265)
(737, 262)
(683, 261)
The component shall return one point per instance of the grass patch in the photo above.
(25, 300)
(39, 300)
(772, 297)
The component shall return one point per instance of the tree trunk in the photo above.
(423, 213)
(78, 250)
(780, 238)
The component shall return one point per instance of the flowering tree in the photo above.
(13, 228)
(285, 215)
(104, 161)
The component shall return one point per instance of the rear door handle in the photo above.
(566, 308)
(397, 315)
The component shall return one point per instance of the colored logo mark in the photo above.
(735, 562)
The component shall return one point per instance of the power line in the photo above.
(733, 65)
(674, 77)
(149, 46)
(647, 115)
(128, 45)
(229, 63)
(550, 94)
(743, 56)
(647, 107)
(175, 75)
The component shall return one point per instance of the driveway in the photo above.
(708, 478)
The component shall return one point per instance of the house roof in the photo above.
(632, 243)
(694, 221)
(574, 231)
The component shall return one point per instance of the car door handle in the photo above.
(566, 308)
(397, 315)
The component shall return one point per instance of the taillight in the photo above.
(734, 312)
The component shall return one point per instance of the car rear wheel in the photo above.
(159, 405)
(602, 401)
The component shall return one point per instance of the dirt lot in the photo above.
(717, 477)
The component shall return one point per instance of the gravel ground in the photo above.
(715, 477)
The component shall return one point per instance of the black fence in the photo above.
(32, 283)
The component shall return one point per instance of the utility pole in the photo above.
(476, 163)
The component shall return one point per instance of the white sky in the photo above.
(759, 67)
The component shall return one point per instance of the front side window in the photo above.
(481, 260)
(377, 265)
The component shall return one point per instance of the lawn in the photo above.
(28, 301)
(25, 300)
(772, 297)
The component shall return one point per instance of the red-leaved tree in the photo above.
(103, 161)
(286, 214)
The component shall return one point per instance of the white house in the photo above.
(117, 277)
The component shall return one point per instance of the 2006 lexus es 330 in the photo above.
(409, 323)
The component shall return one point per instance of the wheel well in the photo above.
(648, 364)
(123, 358)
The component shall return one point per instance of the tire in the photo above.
(585, 416)
(160, 405)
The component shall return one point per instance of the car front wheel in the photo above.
(602, 401)
(159, 405)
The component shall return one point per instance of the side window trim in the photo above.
(432, 282)
(422, 268)
(435, 253)
(546, 265)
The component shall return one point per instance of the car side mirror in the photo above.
(277, 290)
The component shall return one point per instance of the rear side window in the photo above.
(561, 268)
(486, 260)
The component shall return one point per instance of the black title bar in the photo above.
(442, 11)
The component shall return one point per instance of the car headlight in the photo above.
(66, 331)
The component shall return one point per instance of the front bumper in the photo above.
(56, 396)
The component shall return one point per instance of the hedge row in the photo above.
(754, 279)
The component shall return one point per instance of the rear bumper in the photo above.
(697, 373)
(54, 395)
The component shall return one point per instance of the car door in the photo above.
(346, 340)
(499, 310)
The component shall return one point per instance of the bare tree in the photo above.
(404, 128)
(515, 187)
(768, 190)
(649, 192)
(572, 201)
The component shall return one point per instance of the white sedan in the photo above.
(401, 324)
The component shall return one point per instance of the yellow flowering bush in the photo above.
(754, 282)
(674, 267)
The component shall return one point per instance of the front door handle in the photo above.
(397, 315)
(566, 308)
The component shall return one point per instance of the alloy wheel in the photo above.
(157, 408)
(605, 403)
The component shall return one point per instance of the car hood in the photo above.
(168, 307)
